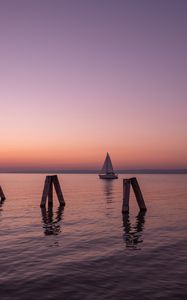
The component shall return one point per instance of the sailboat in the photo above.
(107, 171)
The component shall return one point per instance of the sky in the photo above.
(79, 78)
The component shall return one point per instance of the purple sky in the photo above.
(80, 78)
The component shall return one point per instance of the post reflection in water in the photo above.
(1, 207)
(133, 235)
(51, 223)
(1, 204)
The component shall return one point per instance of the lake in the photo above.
(89, 250)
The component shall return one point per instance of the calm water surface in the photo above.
(88, 250)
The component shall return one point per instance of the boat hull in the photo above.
(108, 176)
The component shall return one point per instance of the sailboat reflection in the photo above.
(51, 225)
(108, 190)
(133, 235)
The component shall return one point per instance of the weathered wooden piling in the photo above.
(2, 195)
(58, 190)
(126, 194)
(48, 191)
(137, 191)
(138, 194)
(50, 195)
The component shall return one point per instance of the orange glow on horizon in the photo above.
(88, 157)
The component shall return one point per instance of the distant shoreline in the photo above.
(141, 171)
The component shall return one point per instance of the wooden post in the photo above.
(138, 194)
(126, 194)
(58, 190)
(48, 191)
(50, 195)
(2, 195)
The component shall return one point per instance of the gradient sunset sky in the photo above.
(80, 78)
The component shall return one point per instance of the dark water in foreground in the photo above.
(88, 250)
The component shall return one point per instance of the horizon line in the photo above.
(93, 171)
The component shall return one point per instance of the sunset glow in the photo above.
(80, 78)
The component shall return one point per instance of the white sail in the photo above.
(107, 166)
